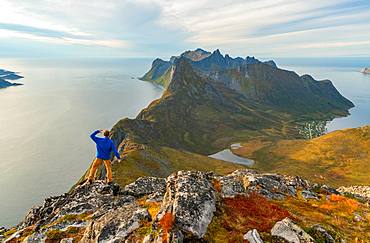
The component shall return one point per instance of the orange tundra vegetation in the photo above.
(336, 213)
(237, 215)
(166, 222)
(253, 212)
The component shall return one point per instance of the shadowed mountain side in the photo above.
(285, 90)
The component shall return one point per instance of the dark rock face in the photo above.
(159, 68)
(146, 186)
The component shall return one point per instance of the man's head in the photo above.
(106, 133)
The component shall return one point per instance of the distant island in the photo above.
(365, 70)
(6, 75)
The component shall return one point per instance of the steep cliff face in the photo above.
(284, 90)
(203, 61)
(193, 206)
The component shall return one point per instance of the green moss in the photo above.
(10, 232)
(143, 231)
(73, 230)
(55, 234)
(76, 217)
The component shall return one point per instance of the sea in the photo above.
(45, 124)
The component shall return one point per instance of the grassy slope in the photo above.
(235, 216)
(163, 162)
(338, 158)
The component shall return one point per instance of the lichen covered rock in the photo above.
(146, 186)
(252, 236)
(290, 232)
(191, 199)
(115, 226)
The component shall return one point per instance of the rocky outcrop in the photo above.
(290, 232)
(184, 207)
(272, 186)
(361, 192)
(146, 186)
(252, 236)
(321, 234)
(115, 226)
(191, 200)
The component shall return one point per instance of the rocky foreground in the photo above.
(193, 206)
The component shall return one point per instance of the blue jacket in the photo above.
(104, 147)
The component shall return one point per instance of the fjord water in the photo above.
(45, 124)
(346, 77)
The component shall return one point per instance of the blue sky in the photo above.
(148, 28)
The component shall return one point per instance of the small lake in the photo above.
(227, 155)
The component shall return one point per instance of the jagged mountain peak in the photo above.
(260, 81)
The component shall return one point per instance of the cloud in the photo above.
(280, 27)
(18, 21)
(166, 27)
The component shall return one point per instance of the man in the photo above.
(104, 148)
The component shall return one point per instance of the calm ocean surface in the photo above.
(45, 124)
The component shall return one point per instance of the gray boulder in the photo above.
(309, 195)
(253, 237)
(321, 235)
(191, 199)
(145, 186)
(272, 186)
(290, 232)
(115, 226)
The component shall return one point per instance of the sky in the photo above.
(161, 28)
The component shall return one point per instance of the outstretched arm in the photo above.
(115, 151)
(93, 135)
